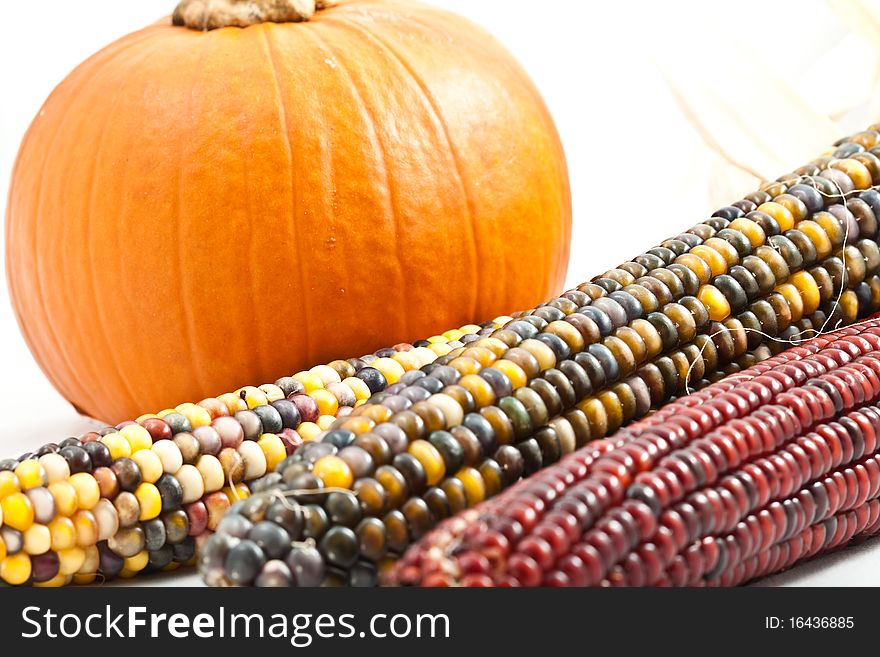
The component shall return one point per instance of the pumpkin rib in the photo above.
(418, 83)
(252, 215)
(503, 294)
(31, 328)
(504, 290)
(198, 371)
(285, 132)
(444, 18)
(376, 142)
(153, 386)
(490, 294)
(68, 372)
(99, 318)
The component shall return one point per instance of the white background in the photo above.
(667, 110)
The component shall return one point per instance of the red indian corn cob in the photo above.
(796, 255)
(750, 475)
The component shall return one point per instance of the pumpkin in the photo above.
(197, 208)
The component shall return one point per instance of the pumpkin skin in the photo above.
(193, 211)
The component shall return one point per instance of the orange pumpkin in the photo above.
(192, 210)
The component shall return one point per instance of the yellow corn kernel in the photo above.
(360, 389)
(817, 236)
(543, 354)
(725, 249)
(867, 139)
(273, 449)
(474, 486)
(479, 388)
(568, 334)
(66, 502)
(752, 230)
(252, 396)
(87, 490)
(390, 368)
(117, 444)
(438, 339)
(238, 492)
(31, 474)
(849, 305)
(513, 372)
(137, 563)
(198, 416)
(63, 534)
(9, 483)
(15, 569)
(37, 539)
(716, 303)
(326, 373)
(309, 380)
(308, 431)
(794, 205)
(150, 501)
(480, 354)
(697, 265)
(856, 171)
(86, 526)
(430, 458)
(793, 298)
(782, 214)
(717, 263)
(496, 346)
(452, 411)
(597, 418)
(809, 291)
(139, 438)
(325, 421)
(453, 334)
(18, 512)
(149, 463)
(333, 471)
(440, 349)
(407, 360)
(326, 401)
(70, 560)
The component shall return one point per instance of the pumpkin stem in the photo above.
(212, 14)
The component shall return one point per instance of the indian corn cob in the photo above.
(772, 465)
(748, 260)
